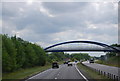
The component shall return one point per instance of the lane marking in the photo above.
(32, 77)
(55, 78)
(38, 74)
(81, 73)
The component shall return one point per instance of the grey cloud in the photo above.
(86, 10)
(36, 26)
(11, 9)
(65, 7)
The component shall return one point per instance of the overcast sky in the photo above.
(47, 23)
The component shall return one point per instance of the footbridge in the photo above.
(70, 46)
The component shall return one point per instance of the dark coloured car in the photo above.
(91, 61)
(55, 65)
(76, 61)
(66, 62)
(70, 64)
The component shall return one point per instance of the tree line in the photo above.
(19, 54)
(80, 56)
(113, 54)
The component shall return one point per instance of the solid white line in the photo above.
(37, 74)
(55, 78)
(81, 73)
(40, 73)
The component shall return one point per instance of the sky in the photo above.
(48, 23)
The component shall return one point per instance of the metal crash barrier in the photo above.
(106, 74)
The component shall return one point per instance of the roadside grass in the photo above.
(92, 74)
(107, 63)
(113, 61)
(24, 73)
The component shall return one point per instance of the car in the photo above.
(66, 62)
(91, 61)
(70, 64)
(76, 61)
(55, 65)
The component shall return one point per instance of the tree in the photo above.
(20, 56)
(41, 55)
(80, 56)
(112, 54)
(9, 52)
(17, 53)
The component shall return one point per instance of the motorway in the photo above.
(63, 72)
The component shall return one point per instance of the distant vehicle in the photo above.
(76, 61)
(55, 65)
(70, 64)
(65, 62)
(91, 61)
(68, 61)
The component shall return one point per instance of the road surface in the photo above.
(63, 72)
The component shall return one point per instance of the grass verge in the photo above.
(24, 73)
(113, 61)
(92, 74)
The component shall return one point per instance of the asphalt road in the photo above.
(63, 72)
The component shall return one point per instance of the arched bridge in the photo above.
(80, 46)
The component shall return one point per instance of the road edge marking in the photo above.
(55, 78)
(81, 73)
(36, 75)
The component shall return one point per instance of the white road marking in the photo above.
(55, 78)
(38, 74)
(81, 73)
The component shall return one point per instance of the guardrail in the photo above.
(106, 74)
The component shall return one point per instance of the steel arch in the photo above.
(90, 42)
